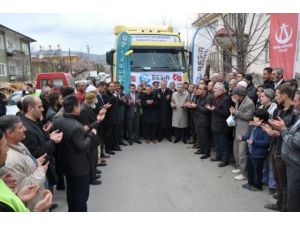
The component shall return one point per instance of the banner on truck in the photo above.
(123, 61)
(149, 77)
(283, 42)
(202, 42)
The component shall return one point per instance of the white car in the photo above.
(11, 107)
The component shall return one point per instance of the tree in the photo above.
(246, 34)
(100, 68)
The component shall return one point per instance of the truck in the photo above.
(155, 53)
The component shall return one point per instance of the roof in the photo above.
(22, 35)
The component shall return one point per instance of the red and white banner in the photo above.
(283, 42)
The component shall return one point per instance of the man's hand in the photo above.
(239, 137)
(45, 203)
(94, 131)
(41, 159)
(56, 136)
(250, 142)
(232, 110)
(47, 127)
(273, 133)
(107, 105)
(102, 111)
(10, 181)
(27, 193)
(210, 108)
(277, 124)
(193, 105)
(100, 118)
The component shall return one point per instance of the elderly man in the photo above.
(277, 77)
(13, 202)
(219, 113)
(243, 112)
(180, 115)
(20, 162)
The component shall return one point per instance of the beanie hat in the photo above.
(65, 91)
(90, 88)
(243, 84)
(90, 96)
(239, 90)
(269, 93)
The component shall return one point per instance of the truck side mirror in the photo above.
(110, 57)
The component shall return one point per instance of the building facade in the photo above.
(15, 56)
(219, 59)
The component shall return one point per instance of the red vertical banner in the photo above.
(283, 42)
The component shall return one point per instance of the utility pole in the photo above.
(70, 61)
(88, 57)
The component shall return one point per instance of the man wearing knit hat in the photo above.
(89, 119)
(251, 89)
(243, 112)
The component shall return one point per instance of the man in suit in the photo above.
(112, 119)
(243, 112)
(133, 103)
(37, 139)
(165, 112)
(277, 77)
(219, 113)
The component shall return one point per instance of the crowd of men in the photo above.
(60, 139)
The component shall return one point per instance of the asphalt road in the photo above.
(167, 177)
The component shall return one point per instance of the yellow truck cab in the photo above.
(156, 53)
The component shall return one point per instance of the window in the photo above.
(44, 83)
(12, 70)
(57, 83)
(25, 48)
(27, 70)
(1, 42)
(10, 44)
(2, 69)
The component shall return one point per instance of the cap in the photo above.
(90, 88)
(239, 90)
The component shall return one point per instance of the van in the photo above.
(55, 80)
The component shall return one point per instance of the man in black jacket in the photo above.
(268, 83)
(37, 139)
(75, 147)
(219, 113)
(202, 121)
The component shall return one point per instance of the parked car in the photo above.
(11, 107)
(55, 80)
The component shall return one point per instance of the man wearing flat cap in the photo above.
(243, 112)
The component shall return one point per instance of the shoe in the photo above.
(169, 139)
(53, 206)
(236, 171)
(240, 177)
(138, 142)
(105, 156)
(275, 196)
(198, 152)
(184, 141)
(274, 207)
(154, 141)
(215, 159)
(95, 182)
(130, 142)
(204, 157)
(159, 140)
(272, 191)
(60, 188)
(98, 176)
(222, 164)
(98, 171)
(118, 149)
(102, 164)
(147, 141)
(176, 141)
(123, 144)
(191, 142)
(111, 153)
(195, 146)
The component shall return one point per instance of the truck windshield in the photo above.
(158, 60)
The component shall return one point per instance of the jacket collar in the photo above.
(20, 147)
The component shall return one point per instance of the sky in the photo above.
(77, 30)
